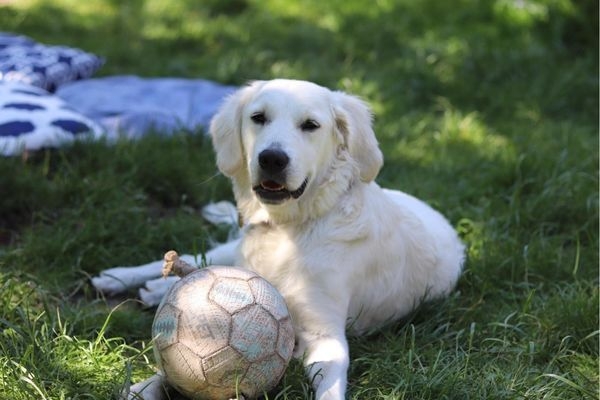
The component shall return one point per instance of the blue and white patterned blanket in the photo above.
(31, 117)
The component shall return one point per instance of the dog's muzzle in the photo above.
(271, 190)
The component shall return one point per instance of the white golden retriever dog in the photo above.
(345, 253)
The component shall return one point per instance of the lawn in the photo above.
(487, 109)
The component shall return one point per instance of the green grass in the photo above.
(486, 109)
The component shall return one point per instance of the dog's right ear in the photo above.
(225, 130)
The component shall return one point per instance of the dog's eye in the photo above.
(309, 125)
(259, 118)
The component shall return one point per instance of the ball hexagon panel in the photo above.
(266, 295)
(194, 293)
(231, 294)
(263, 373)
(166, 326)
(225, 367)
(189, 365)
(205, 332)
(285, 341)
(254, 333)
(231, 272)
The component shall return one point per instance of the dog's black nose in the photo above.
(273, 160)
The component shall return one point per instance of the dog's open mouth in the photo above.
(273, 192)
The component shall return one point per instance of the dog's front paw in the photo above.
(154, 290)
(120, 279)
(153, 388)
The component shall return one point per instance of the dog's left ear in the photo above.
(354, 119)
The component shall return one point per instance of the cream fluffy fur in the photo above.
(345, 253)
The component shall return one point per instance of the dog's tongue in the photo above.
(271, 185)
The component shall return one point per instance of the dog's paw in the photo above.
(153, 388)
(154, 290)
(120, 279)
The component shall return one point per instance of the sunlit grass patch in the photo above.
(457, 137)
(42, 355)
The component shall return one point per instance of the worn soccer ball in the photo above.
(222, 331)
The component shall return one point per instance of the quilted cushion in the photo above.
(24, 60)
(31, 118)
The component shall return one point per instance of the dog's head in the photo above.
(282, 140)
